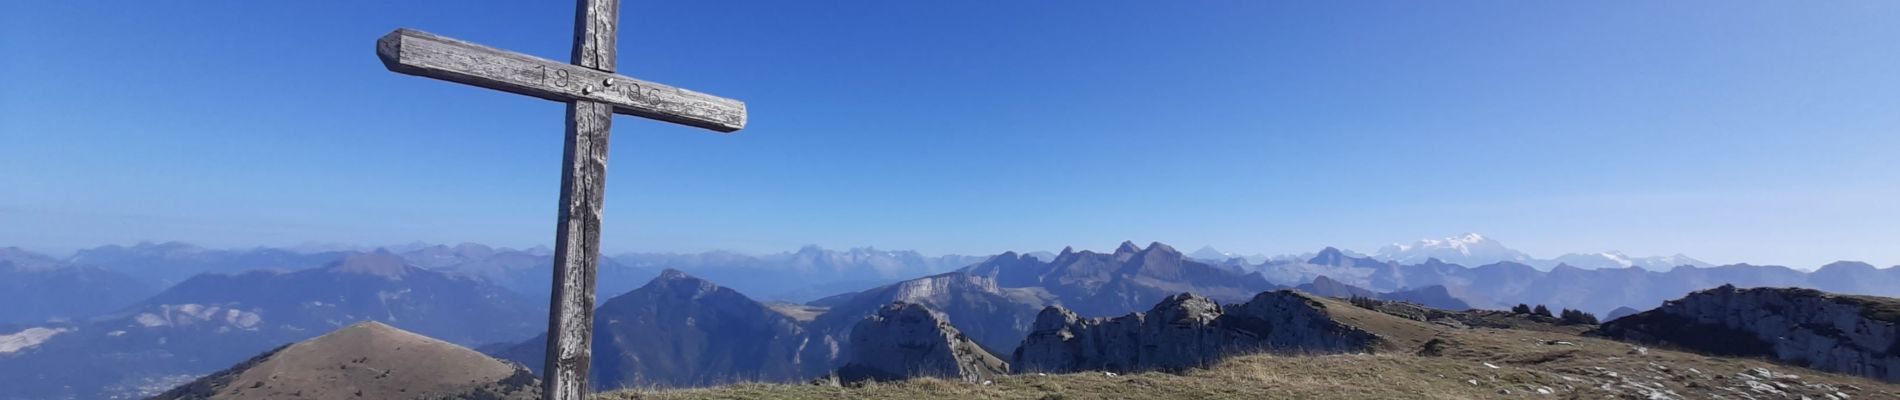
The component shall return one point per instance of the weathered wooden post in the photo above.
(593, 93)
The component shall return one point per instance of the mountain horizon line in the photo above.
(1465, 249)
(1468, 249)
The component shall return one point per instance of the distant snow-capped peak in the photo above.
(1467, 249)
(1473, 249)
(1616, 259)
(1209, 253)
(1461, 243)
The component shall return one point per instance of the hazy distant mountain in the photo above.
(1430, 296)
(1434, 296)
(1328, 287)
(212, 321)
(165, 264)
(1503, 284)
(679, 330)
(1613, 259)
(20, 258)
(371, 286)
(803, 275)
(1211, 255)
(1851, 277)
(56, 291)
(529, 272)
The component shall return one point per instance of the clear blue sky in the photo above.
(1765, 132)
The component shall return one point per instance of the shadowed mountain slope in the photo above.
(679, 330)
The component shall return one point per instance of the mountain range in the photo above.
(37, 292)
(214, 320)
(809, 273)
(1474, 249)
(103, 279)
(683, 330)
(96, 319)
(680, 327)
(1502, 284)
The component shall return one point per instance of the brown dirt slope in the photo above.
(367, 360)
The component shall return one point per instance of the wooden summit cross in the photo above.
(593, 93)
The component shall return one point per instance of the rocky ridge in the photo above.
(905, 340)
(1847, 334)
(1188, 330)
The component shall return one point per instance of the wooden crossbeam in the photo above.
(425, 54)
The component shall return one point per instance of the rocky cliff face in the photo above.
(1846, 334)
(906, 340)
(1184, 331)
(1129, 279)
(990, 315)
(996, 301)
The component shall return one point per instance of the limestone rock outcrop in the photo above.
(1839, 333)
(904, 340)
(1185, 331)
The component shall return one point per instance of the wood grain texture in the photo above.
(577, 251)
(583, 192)
(596, 25)
(424, 54)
